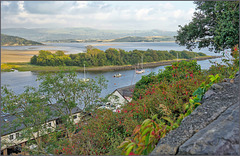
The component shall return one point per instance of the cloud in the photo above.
(96, 14)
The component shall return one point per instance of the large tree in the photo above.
(215, 25)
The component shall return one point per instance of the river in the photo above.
(17, 80)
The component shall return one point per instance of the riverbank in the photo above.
(26, 66)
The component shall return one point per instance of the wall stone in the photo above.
(217, 115)
(221, 137)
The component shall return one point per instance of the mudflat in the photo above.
(10, 56)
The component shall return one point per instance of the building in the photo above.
(119, 97)
(11, 145)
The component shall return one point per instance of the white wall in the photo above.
(119, 100)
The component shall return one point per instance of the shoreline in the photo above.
(146, 65)
(35, 68)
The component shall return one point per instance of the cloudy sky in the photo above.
(163, 15)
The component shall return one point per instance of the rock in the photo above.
(231, 81)
(208, 94)
(216, 87)
(215, 104)
(226, 80)
(218, 138)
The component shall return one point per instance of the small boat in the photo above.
(85, 79)
(140, 71)
(117, 75)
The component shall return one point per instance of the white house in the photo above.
(119, 97)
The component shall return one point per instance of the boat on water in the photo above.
(140, 71)
(117, 75)
(85, 79)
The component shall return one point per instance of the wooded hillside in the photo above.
(7, 40)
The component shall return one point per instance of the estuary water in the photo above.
(18, 80)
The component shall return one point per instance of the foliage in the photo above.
(8, 67)
(145, 136)
(46, 58)
(57, 96)
(111, 56)
(31, 111)
(106, 130)
(228, 67)
(178, 70)
(215, 25)
(67, 89)
(100, 135)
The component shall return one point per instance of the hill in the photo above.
(7, 40)
(48, 34)
(122, 39)
(144, 39)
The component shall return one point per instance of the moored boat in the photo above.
(85, 79)
(117, 75)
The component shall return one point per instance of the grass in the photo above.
(26, 66)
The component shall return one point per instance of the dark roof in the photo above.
(8, 120)
(126, 91)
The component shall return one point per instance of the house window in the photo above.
(11, 137)
(49, 124)
(75, 117)
(58, 121)
(17, 135)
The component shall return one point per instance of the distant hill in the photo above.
(7, 40)
(122, 39)
(48, 34)
(144, 39)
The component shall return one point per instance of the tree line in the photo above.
(111, 56)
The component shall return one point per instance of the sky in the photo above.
(114, 15)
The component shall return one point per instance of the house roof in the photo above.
(126, 91)
(7, 121)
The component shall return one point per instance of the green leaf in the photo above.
(191, 101)
(129, 150)
(146, 131)
(131, 144)
(168, 119)
(147, 139)
(155, 116)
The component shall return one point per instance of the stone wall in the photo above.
(211, 129)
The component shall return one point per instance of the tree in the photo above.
(29, 110)
(59, 53)
(70, 91)
(215, 25)
(34, 59)
(57, 96)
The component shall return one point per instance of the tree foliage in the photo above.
(215, 25)
(57, 96)
(111, 56)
